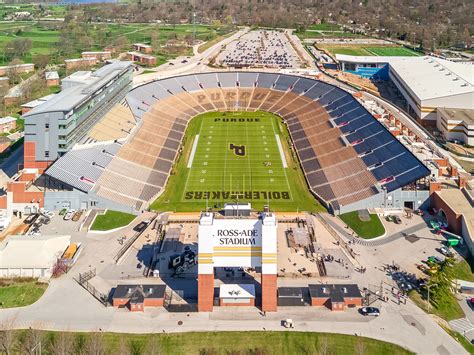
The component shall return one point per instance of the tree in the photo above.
(33, 87)
(360, 346)
(123, 348)
(121, 43)
(441, 283)
(19, 47)
(7, 337)
(155, 39)
(216, 24)
(153, 347)
(31, 341)
(62, 344)
(13, 72)
(94, 344)
(322, 346)
(40, 61)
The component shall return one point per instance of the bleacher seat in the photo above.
(345, 153)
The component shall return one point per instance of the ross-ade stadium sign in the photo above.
(237, 237)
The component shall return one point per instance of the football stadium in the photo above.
(195, 141)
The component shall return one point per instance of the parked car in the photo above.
(397, 219)
(370, 311)
(69, 215)
(77, 216)
(140, 227)
(389, 218)
(49, 214)
(445, 251)
(31, 218)
(434, 259)
(63, 211)
(419, 212)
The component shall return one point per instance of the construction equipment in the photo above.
(182, 262)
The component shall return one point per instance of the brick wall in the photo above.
(454, 219)
(153, 302)
(20, 195)
(29, 156)
(269, 293)
(205, 292)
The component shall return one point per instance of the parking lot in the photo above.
(260, 48)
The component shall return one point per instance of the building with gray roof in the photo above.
(57, 124)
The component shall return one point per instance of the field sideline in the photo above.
(236, 158)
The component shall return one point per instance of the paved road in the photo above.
(465, 326)
(66, 306)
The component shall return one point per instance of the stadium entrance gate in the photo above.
(245, 242)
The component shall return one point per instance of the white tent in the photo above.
(27, 256)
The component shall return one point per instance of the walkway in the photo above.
(376, 242)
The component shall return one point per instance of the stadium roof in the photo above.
(430, 77)
(27, 252)
(368, 59)
(71, 97)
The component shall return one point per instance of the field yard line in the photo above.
(373, 53)
(225, 158)
(193, 151)
(284, 170)
(282, 154)
(189, 172)
(248, 159)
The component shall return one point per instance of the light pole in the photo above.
(429, 304)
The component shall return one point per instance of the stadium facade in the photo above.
(122, 160)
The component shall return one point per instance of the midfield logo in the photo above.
(239, 150)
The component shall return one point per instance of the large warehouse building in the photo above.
(428, 83)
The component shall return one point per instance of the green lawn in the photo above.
(448, 310)
(364, 229)
(325, 27)
(111, 220)
(213, 42)
(20, 292)
(219, 174)
(216, 343)
(464, 270)
(327, 34)
(46, 41)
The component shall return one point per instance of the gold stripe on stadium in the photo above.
(237, 248)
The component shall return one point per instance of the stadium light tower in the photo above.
(194, 28)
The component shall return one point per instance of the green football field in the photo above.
(391, 51)
(362, 50)
(236, 156)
